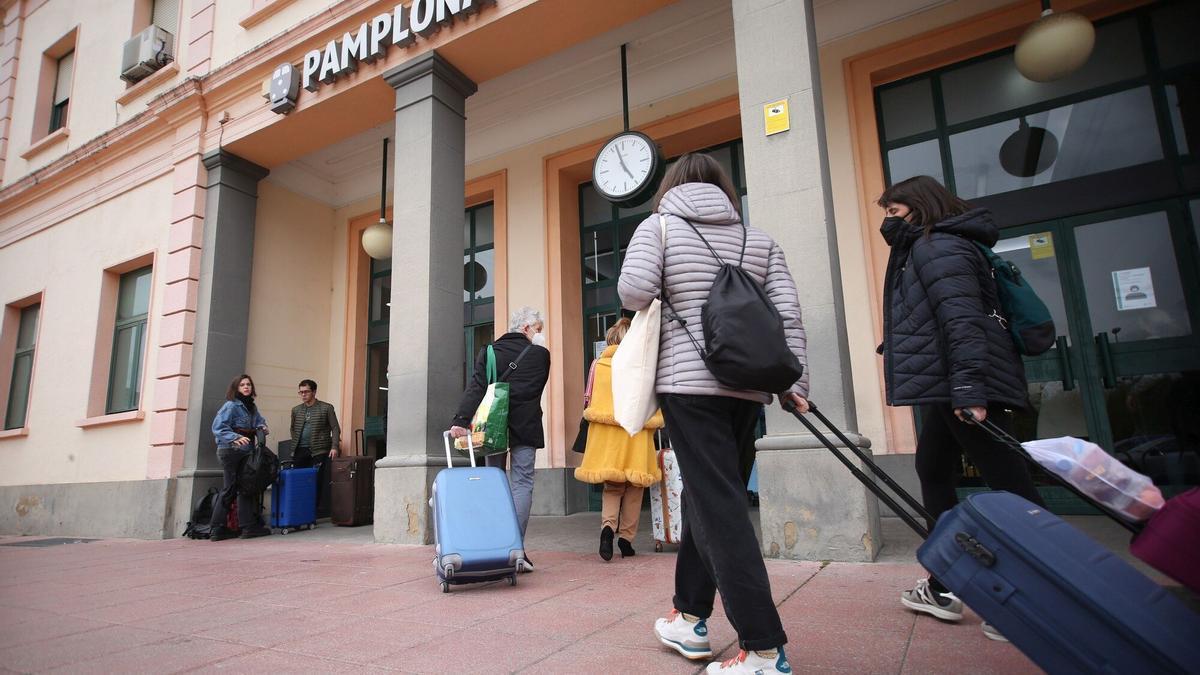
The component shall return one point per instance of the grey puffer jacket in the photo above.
(690, 271)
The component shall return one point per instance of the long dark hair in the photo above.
(232, 392)
(697, 167)
(930, 201)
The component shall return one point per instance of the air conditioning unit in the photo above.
(146, 52)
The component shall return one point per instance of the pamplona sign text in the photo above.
(398, 28)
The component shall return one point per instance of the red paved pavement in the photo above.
(296, 604)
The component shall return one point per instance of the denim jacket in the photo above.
(234, 415)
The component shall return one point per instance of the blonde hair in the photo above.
(614, 335)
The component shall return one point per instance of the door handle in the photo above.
(1064, 362)
(1108, 373)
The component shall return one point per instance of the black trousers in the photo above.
(944, 439)
(303, 458)
(231, 459)
(718, 550)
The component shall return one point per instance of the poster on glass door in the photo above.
(1134, 289)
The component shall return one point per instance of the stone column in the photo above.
(810, 506)
(426, 334)
(222, 315)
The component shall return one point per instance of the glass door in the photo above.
(1124, 289)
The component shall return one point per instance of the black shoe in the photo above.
(606, 541)
(252, 532)
(626, 548)
(220, 533)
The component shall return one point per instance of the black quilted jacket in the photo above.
(941, 343)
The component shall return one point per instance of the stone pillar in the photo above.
(804, 497)
(222, 315)
(426, 335)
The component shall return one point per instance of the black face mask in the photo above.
(893, 228)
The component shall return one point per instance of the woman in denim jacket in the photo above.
(235, 428)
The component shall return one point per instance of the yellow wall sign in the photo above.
(776, 117)
(1041, 245)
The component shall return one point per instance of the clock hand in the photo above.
(621, 159)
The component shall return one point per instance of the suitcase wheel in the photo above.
(445, 586)
(284, 531)
(658, 547)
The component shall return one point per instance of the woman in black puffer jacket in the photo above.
(945, 350)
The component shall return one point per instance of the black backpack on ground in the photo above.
(744, 342)
(258, 471)
(199, 527)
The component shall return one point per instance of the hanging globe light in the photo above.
(377, 239)
(1055, 46)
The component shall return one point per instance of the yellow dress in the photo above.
(611, 454)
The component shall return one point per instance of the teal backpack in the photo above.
(1024, 314)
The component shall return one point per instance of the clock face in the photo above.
(625, 166)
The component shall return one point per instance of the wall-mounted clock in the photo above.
(628, 168)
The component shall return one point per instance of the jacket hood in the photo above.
(608, 352)
(975, 224)
(699, 203)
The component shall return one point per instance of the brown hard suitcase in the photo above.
(353, 490)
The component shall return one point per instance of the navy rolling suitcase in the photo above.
(294, 500)
(1064, 600)
(476, 534)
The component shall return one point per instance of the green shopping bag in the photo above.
(489, 426)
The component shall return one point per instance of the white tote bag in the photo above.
(635, 364)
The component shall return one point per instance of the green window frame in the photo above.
(129, 341)
(479, 296)
(604, 233)
(1161, 80)
(22, 370)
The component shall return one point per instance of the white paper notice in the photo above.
(598, 348)
(1134, 288)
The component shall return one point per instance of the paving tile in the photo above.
(596, 655)
(194, 621)
(173, 655)
(938, 646)
(269, 629)
(306, 594)
(138, 610)
(841, 648)
(366, 641)
(481, 651)
(42, 626)
(76, 648)
(274, 662)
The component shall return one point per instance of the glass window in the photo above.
(724, 155)
(377, 364)
(129, 337)
(599, 263)
(993, 85)
(1076, 140)
(62, 91)
(596, 209)
(919, 159)
(1194, 208)
(907, 109)
(1041, 272)
(1183, 105)
(1131, 278)
(484, 224)
(1175, 28)
(22, 372)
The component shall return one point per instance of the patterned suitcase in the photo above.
(665, 518)
(294, 500)
(476, 533)
(1064, 600)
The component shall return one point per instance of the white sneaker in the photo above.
(992, 634)
(686, 637)
(750, 663)
(922, 598)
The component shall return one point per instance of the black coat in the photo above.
(524, 392)
(941, 340)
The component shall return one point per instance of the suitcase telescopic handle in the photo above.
(863, 478)
(470, 449)
(1006, 439)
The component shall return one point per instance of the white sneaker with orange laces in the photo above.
(750, 663)
(689, 638)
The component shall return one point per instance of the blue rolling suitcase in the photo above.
(294, 500)
(477, 537)
(1064, 600)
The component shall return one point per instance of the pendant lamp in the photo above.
(1055, 46)
(377, 239)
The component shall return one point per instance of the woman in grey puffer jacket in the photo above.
(708, 422)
